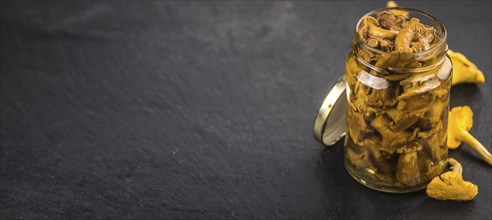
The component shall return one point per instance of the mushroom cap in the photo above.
(451, 186)
(459, 118)
(391, 4)
(464, 71)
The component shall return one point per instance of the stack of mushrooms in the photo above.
(396, 130)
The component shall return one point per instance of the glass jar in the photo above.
(397, 107)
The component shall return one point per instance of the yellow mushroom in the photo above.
(388, 20)
(373, 42)
(460, 121)
(455, 166)
(391, 140)
(376, 31)
(364, 26)
(392, 4)
(464, 71)
(407, 169)
(451, 186)
(403, 40)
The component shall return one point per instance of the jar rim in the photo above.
(419, 54)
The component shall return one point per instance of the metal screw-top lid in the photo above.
(331, 120)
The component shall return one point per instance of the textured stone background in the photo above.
(200, 110)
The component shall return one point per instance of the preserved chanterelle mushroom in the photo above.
(398, 80)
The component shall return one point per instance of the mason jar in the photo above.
(397, 103)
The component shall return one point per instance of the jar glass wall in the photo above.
(397, 110)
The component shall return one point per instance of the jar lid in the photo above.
(331, 120)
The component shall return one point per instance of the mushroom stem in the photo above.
(455, 166)
(403, 39)
(381, 33)
(476, 146)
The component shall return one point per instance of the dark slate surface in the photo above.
(163, 110)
